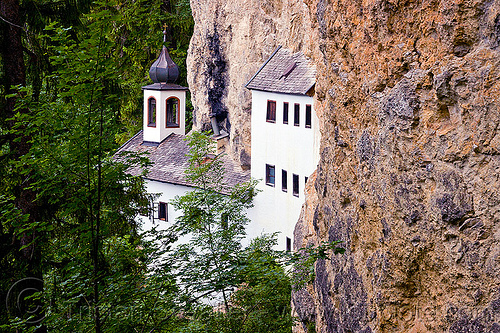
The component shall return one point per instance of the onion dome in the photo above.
(164, 69)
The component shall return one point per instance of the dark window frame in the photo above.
(270, 176)
(224, 221)
(163, 211)
(296, 114)
(271, 111)
(284, 180)
(295, 185)
(177, 113)
(308, 115)
(288, 244)
(285, 112)
(151, 115)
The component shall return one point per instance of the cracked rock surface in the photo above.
(408, 96)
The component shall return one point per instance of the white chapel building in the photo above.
(162, 137)
(285, 142)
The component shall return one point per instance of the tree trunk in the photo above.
(15, 74)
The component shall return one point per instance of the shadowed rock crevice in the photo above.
(217, 76)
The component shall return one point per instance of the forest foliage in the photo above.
(71, 94)
(71, 75)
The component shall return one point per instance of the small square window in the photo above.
(271, 111)
(285, 113)
(295, 180)
(270, 175)
(308, 116)
(296, 115)
(163, 211)
(284, 185)
(288, 244)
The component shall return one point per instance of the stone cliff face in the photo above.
(230, 42)
(408, 100)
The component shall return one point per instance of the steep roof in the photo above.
(169, 161)
(285, 72)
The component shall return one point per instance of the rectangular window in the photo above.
(163, 211)
(172, 112)
(284, 185)
(295, 179)
(285, 113)
(308, 116)
(271, 111)
(288, 244)
(296, 114)
(224, 221)
(305, 178)
(270, 176)
(152, 112)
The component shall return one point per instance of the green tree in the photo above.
(214, 219)
(211, 265)
(86, 62)
(83, 198)
(262, 301)
(252, 284)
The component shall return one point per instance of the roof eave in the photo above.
(309, 92)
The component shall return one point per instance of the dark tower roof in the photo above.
(164, 69)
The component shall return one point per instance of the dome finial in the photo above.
(164, 69)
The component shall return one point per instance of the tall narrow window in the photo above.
(296, 114)
(288, 244)
(172, 112)
(163, 211)
(305, 178)
(270, 175)
(285, 113)
(295, 179)
(152, 112)
(284, 185)
(224, 221)
(308, 116)
(271, 111)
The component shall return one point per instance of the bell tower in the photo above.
(164, 100)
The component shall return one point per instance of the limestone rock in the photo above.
(231, 40)
(408, 101)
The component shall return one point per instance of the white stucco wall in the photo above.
(161, 131)
(287, 147)
(167, 192)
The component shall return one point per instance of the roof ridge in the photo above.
(132, 138)
(264, 65)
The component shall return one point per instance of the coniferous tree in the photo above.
(24, 248)
(86, 63)
(42, 137)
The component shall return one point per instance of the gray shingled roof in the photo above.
(285, 72)
(169, 161)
